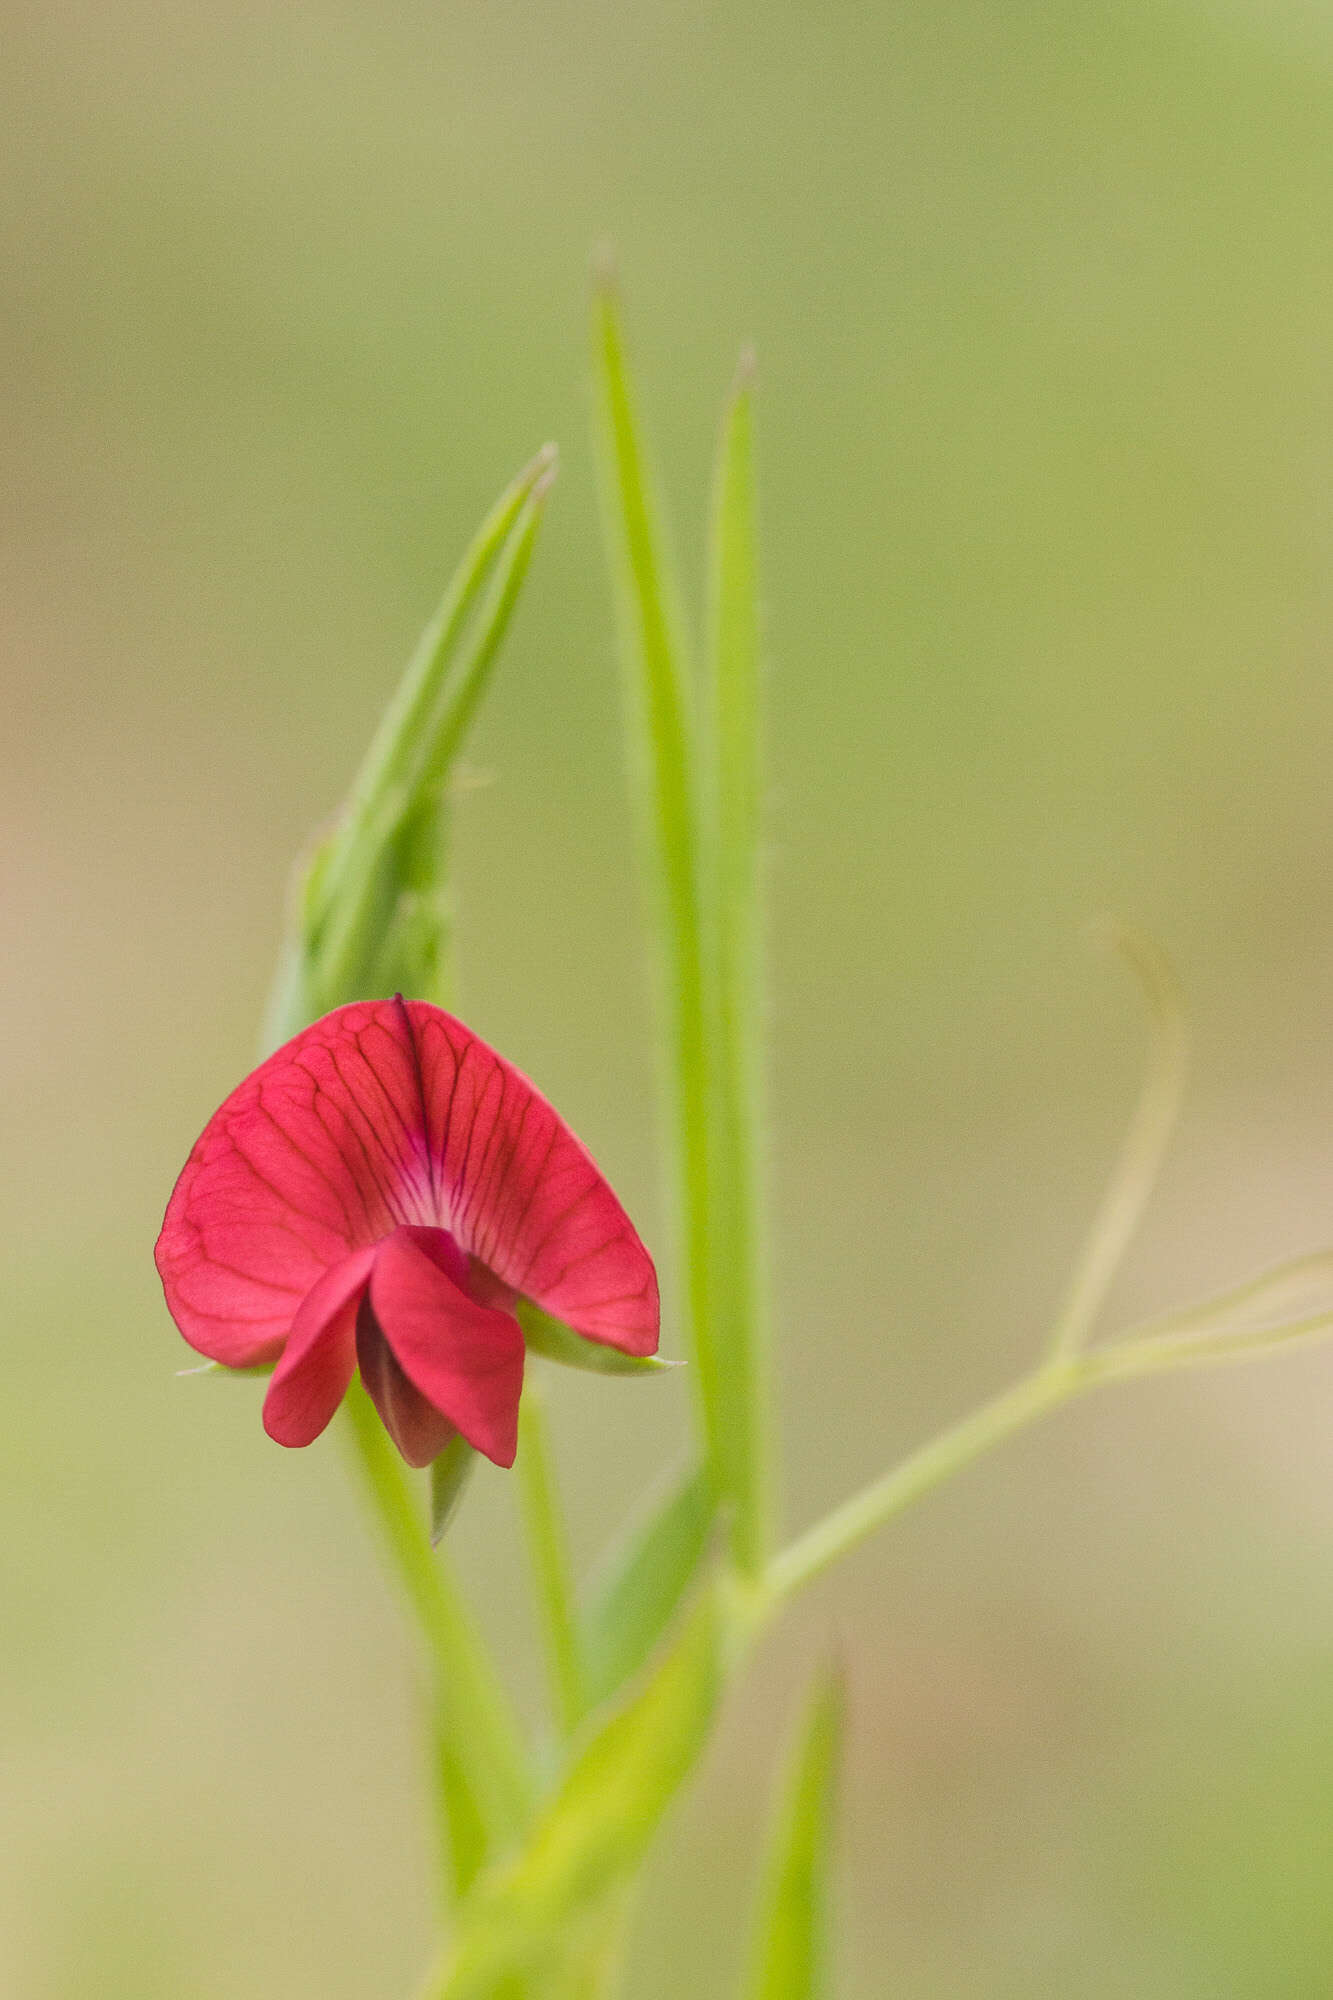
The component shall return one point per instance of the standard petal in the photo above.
(419, 1430)
(311, 1379)
(320, 1151)
(522, 1195)
(465, 1359)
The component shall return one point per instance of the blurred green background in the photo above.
(1043, 298)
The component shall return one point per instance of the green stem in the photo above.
(918, 1474)
(482, 1727)
(1139, 1162)
(1165, 1346)
(550, 1561)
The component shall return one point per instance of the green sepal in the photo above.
(448, 1476)
(558, 1342)
(218, 1368)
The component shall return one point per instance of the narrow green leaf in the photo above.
(666, 783)
(555, 1341)
(362, 880)
(448, 1476)
(734, 793)
(636, 1597)
(463, 1835)
(368, 904)
(549, 1553)
(535, 1911)
(440, 682)
(790, 1952)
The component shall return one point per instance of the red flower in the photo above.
(379, 1194)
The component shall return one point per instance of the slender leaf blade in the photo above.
(534, 1912)
(405, 746)
(790, 1952)
(637, 1596)
(463, 1831)
(663, 764)
(733, 917)
(368, 911)
(364, 879)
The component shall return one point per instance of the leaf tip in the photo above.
(545, 480)
(540, 463)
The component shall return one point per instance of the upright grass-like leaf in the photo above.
(790, 1950)
(369, 912)
(663, 761)
(632, 1603)
(734, 819)
(535, 1914)
(463, 1834)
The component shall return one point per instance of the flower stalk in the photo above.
(485, 1737)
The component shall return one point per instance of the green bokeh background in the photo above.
(1043, 298)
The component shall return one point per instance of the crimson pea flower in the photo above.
(378, 1195)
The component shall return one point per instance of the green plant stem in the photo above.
(1139, 1161)
(482, 1729)
(1045, 1389)
(1056, 1381)
(550, 1561)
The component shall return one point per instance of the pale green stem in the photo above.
(1135, 1172)
(483, 1730)
(1056, 1381)
(1045, 1389)
(549, 1553)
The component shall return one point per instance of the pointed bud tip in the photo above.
(541, 486)
(539, 465)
